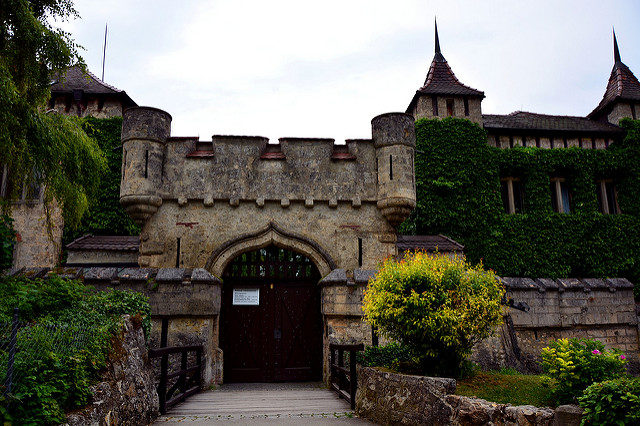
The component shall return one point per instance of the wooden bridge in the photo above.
(258, 403)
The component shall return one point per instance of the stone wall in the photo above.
(392, 398)
(39, 240)
(127, 393)
(601, 309)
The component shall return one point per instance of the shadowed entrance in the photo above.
(271, 325)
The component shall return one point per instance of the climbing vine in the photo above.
(458, 194)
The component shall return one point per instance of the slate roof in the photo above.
(522, 120)
(105, 242)
(430, 243)
(76, 79)
(623, 85)
(441, 80)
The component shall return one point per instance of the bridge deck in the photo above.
(256, 403)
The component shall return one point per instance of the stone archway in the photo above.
(271, 235)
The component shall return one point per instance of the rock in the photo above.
(127, 394)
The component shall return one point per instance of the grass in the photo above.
(507, 387)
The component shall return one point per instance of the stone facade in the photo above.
(391, 398)
(39, 237)
(127, 393)
(601, 309)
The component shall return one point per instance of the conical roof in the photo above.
(441, 80)
(623, 85)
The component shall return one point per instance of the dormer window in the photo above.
(560, 195)
(607, 197)
(449, 107)
(512, 195)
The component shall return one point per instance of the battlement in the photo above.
(158, 167)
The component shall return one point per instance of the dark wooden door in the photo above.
(273, 330)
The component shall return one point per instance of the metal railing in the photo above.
(344, 379)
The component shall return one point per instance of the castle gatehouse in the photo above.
(292, 229)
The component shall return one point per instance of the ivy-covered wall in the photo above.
(458, 194)
(105, 215)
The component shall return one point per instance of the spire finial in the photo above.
(437, 39)
(616, 51)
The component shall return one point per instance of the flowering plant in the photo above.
(577, 363)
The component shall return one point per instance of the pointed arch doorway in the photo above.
(271, 324)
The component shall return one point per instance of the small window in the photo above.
(449, 107)
(560, 195)
(512, 195)
(434, 105)
(4, 181)
(607, 197)
(466, 106)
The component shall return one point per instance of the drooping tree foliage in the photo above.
(36, 146)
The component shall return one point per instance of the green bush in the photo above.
(613, 402)
(68, 330)
(394, 356)
(458, 194)
(577, 363)
(436, 306)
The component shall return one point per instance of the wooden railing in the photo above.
(343, 379)
(189, 378)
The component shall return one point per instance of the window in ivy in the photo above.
(560, 195)
(4, 181)
(607, 196)
(512, 195)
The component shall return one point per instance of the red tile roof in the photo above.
(430, 243)
(105, 242)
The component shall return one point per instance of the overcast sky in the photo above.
(325, 68)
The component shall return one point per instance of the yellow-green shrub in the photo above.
(436, 305)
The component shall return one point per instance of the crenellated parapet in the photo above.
(230, 170)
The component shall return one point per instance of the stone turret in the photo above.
(622, 96)
(144, 134)
(394, 140)
(443, 95)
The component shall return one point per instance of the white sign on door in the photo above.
(246, 296)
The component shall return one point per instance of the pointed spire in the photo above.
(616, 51)
(438, 56)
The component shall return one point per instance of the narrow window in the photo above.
(633, 111)
(466, 106)
(512, 195)
(580, 142)
(510, 141)
(552, 143)
(3, 183)
(449, 107)
(124, 161)
(100, 104)
(537, 141)
(565, 143)
(377, 171)
(607, 197)
(434, 105)
(146, 164)
(606, 143)
(178, 253)
(560, 195)
(360, 252)
(391, 167)
(374, 336)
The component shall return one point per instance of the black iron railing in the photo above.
(343, 378)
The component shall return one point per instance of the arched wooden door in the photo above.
(271, 325)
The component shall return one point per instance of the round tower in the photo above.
(394, 139)
(144, 133)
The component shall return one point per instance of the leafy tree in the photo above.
(437, 306)
(36, 146)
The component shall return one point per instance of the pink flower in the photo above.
(595, 352)
(623, 357)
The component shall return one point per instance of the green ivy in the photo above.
(7, 241)
(458, 194)
(105, 215)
